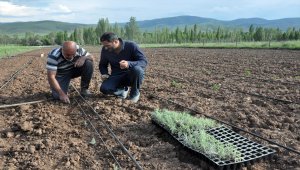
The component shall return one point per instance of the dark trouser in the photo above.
(133, 77)
(85, 72)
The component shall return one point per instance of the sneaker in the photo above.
(85, 93)
(122, 93)
(135, 98)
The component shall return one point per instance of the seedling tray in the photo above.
(252, 152)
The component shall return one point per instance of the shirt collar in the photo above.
(122, 44)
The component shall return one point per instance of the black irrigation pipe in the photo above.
(238, 77)
(265, 61)
(260, 79)
(264, 97)
(217, 65)
(110, 130)
(226, 123)
(19, 104)
(247, 65)
(14, 56)
(234, 90)
(85, 115)
(16, 73)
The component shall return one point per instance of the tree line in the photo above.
(131, 31)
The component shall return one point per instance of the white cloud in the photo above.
(117, 11)
(64, 9)
(220, 9)
(11, 10)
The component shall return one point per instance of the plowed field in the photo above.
(257, 90)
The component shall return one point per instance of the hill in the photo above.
(40, 27)
(45, 27)
(244, 23)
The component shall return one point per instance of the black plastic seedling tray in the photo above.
(252, 152)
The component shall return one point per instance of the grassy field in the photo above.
(265, 45)
(11, 50)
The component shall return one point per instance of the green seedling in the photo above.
(216, 87)
(115, 167)
(176, 84)
(191, 132)
(207, 72)
(247, 72)
(93, 141)
(275, 77)
(85, 123)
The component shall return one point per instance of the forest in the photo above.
(131, 31)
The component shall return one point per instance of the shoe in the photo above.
(122, 93)
(85, 93)
(135, 98)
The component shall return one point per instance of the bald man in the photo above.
(65, 63)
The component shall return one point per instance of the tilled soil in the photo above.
(257, 90)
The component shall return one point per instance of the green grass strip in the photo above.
(254, 45)
(191, 131)
(11, 50)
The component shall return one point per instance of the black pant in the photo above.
(133, 77)
(85, 72)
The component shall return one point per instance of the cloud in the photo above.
(11, 10)
(64, 9)
(92, 10)
(220, 9)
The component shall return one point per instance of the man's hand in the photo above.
(124, 64)
(55, 85)
(63, 97)
(104, 77)
(80, 61)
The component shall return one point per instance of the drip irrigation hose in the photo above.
(85, 115)
(109, 129)
(263, 80)
(19, 104)
(233, 126)
(254, 78)
(17, 72)
(234, 90)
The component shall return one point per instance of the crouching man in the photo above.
(127, 63)
(65, 63)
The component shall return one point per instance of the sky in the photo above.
(90, 11)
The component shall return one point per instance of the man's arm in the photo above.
(82, 59)
(55, 85)
(140, 58)
(103, 64)
(90, 57)
(84, 55)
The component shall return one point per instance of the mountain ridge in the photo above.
(47, 26)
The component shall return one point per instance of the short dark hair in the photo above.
(109, 36)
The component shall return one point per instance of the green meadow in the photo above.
(11, 50)
(254, 45)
